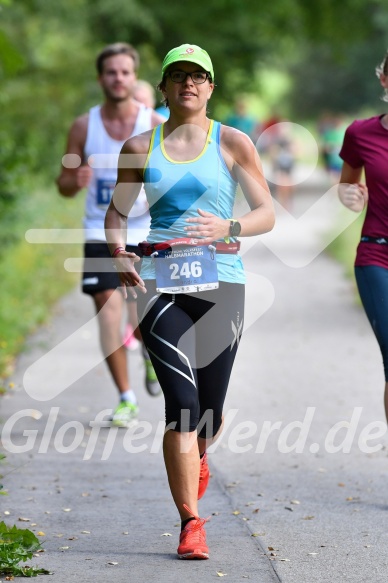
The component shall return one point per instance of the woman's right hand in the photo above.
(353, 196)
(124, 264)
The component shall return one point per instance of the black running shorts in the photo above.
(97, 257)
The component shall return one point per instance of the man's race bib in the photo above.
(186, 270)
(105, 190)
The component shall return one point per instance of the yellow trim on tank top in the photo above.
(150, 148)
(208, 140)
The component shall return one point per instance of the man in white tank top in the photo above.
(97, 137)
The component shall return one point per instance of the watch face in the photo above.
(235, 229)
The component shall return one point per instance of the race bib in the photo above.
(186, 270)
(105, 190)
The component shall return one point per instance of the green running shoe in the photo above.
(125, 414)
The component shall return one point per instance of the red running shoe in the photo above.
(204, 475)
(192, 540)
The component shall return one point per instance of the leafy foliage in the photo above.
(239, 37)
(41, 88)
(324, 81)
(18, 545)
(47, 53)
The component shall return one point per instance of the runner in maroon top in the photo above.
(365, 148)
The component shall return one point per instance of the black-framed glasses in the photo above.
(198, 77)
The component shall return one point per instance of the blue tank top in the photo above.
(176, 189)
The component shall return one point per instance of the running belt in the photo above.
(149, 249)
(378, 240)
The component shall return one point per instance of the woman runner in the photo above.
(191, 284)
(365, 148)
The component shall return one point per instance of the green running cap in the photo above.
(191, 54)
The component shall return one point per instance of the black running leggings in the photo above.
(192, 340)
(372, 282)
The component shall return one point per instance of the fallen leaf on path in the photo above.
(341, 484)
(63, 548)
(41, 533)
(85, 531)
(312, 554)
(256, 510)
(288, 508)
(66, 509)
(236, 512)
(166, 534)
(221, 574)
(308, 517)
(294, 502)
(22, 519)
(112, 563)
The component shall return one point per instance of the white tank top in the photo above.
(105, 154)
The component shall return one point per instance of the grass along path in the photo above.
(32, 276)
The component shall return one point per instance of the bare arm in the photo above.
(244, 164)
(248, 171)
(128, 185)
(72, 179)
(351, 192)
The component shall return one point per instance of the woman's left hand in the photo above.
(207, 227)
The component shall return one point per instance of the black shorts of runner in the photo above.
(97, 257)
(192, 340)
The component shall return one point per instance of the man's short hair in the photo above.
(117, 49)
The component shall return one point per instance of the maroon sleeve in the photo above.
(350, 151)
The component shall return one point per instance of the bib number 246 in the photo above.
(186, 270)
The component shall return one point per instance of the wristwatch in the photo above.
(235, 228)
